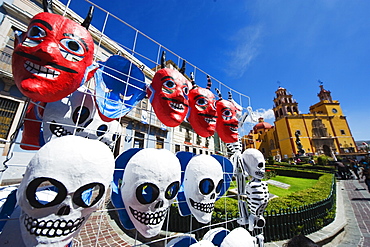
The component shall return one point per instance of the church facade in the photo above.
(324, 130)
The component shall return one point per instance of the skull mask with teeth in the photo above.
(203, 181)
(150, 183)
(64, 183)
(254, 163)
(50, 59)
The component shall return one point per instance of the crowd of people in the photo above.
(351, 168)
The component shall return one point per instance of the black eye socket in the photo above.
(73, 45)
(172, 190)
(169, 84)
(88, 195)
(227, 113)
(36, 32)
(57, 192)
(260, 165)
(147, 193)
(101, 130)
(219, 186)
(85, 113)
(206, 186)
(186, 90)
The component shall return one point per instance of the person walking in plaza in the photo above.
(354, 167)
(366, 174)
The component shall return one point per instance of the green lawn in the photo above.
(296, 184)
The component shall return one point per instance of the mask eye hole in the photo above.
(186, 90)
(219, 186)
(227, 114)
(172, 190)
(45, 192)
(85, 113)
(202, 101)
(260, 165)
(168, 86)
(147, 193)
(206, 186)
(72, 46)
(36, 32)
(101, 130)
(88, 195)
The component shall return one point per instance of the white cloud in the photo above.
(246, 49)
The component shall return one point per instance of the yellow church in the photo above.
(324, 130)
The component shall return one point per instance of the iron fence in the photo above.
(280, 224)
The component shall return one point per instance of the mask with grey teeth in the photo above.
(41, 70)
(210, 120)
(177, 106)
(58, 130)
(203, 207)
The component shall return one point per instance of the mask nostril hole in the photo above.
(159, 204)
(65, 210)
(213, 196)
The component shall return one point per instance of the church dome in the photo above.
(262, 125)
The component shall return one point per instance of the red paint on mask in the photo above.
(169, 96)
(227, 123)
(203, 113)
(50, 60)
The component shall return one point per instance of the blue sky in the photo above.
(250, 46)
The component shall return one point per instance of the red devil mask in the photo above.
(203, 113)
(49, 61)
(227, 123)
(169, 96)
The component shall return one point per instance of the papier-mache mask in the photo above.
(239, 237)
(50, 59)
(227, 122)
(74, 173)
(254, 163)
(206, 178)
(119, 86)
(168, 94)
(147, 187)
(202, 113)
(76, 114)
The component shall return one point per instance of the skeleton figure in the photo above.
(257, 191)
(150, 183)
(64, 183)
(202, 115)
(168, 94)
(76, 115)
(227, 122)
(50, 59)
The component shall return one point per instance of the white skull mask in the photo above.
(203, 180)
(68, 115)
(77, 173)
(254, 163)
(150, 183)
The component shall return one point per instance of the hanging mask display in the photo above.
(181, 241)
(146, 188)
(202, 113)
(227, 122)
(63, 184)
(119, 86)
(239, 237)
(216, 235)
(205, 180)
(50, 59)
(168, 94)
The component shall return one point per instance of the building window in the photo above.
(187, 148)
(8, 109)
(160, 143)
(342, 132)
(195, 150)
(200, 151)
(139, 140)
(177, 148)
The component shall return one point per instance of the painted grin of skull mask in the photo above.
(49, 61)
(64, 183)
(150, 183)
(169, 96)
